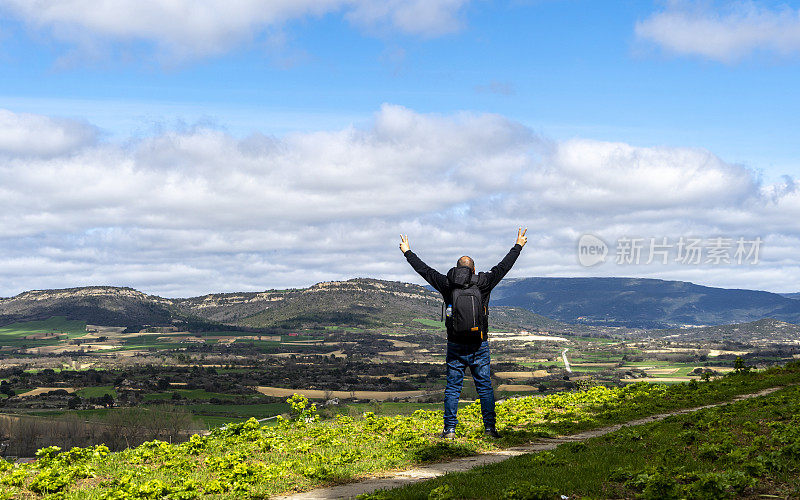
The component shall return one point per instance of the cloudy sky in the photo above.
(183, 148)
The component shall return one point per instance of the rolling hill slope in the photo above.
(357, 302)
(642, 303)
(97, 305)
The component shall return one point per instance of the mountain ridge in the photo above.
(529, 303)
(642, 302)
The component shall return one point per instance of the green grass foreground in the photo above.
(246, 460)
(747, 449)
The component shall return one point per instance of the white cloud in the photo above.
(585, 173)
(727, 33)
(208, 178)
(186, 28)
(28, 134)
(193, 211)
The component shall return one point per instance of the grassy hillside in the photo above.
(358, 302)
(749, 449)
(249, 460)
(38, 333)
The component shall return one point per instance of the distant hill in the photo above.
(356, 302)
(766, 330)
(792, 295)
(642, 303)
(353, 303)
(97, 305)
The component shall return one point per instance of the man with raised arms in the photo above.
(466, 295)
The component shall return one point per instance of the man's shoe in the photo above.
(491, 433)
(448, 434)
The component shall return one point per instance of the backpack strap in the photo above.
(473, 280)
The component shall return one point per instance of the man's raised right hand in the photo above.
(404, 245)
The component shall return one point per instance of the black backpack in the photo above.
(468, 315)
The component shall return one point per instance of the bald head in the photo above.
(466, 262)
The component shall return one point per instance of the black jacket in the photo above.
(486, 281)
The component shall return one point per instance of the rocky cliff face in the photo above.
(231, 307)
(100, 305)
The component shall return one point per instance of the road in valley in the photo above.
(566, 361)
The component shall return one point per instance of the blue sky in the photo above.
(518, 77)
(567, 68)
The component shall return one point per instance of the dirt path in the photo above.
(397, 479)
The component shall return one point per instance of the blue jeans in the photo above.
(476, 357)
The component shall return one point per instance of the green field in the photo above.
(259, 411)
(655, 363)
(593, 358)
(430, 323)
(226, 333)
(300, 338)
(57, 324)
(215, 415)
(98, 412)
(188, 394)
(578, 358)
(592, 369)
(12, 335)
(595, 339)
(210, 415)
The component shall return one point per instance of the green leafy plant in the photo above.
(249, 459)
